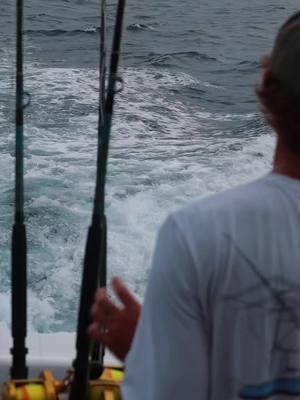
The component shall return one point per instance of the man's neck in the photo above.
(286, 162)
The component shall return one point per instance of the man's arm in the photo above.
(169, 356)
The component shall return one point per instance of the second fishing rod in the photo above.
(94, 267)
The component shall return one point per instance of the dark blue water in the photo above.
(186, 125)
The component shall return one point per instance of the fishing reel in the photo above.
(107, 387)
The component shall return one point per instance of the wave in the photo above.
(247, 66)
(139, 27)
(167, 59)
(61, 32)
(88, 30)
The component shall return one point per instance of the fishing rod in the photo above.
(94, 266)
(97, 352)
(19, 369)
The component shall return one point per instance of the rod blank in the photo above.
(19, 369)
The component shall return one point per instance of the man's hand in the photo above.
(115, 326)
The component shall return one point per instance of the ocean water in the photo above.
(186, 125)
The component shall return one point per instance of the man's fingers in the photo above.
(124, 294)
(100, 295)
(104, 305)
(97, 333)
(97, 314)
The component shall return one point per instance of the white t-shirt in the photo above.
(221, 318)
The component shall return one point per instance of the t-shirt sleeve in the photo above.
(169, 356)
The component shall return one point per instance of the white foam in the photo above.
(163, 153)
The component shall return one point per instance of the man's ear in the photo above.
(267, 76)
(265, 61)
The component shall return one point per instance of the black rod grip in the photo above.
(19, 369)
(89, 285)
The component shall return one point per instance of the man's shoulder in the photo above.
(238, 199)
(202, 225)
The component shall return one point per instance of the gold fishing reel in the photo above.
(44, 388)
(107, 387)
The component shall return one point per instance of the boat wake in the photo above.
(164, 152)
